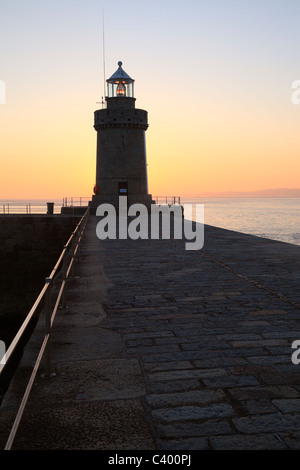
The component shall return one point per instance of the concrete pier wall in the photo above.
(29, 249)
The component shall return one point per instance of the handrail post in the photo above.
(48, 327)
(80, 234)
(64, 277)
(73, 247)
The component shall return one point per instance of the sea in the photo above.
(274, 218)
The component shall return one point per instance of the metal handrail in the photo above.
(11, 208)
(76, 201)
(167, 199)
(73, 246)
(83, 201)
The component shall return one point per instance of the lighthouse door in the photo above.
(123, 189)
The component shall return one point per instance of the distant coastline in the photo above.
(263, 193)
(281, 192)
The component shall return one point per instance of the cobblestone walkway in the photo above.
(185, 350)
(212, 331)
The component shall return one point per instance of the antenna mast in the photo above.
(103, 41)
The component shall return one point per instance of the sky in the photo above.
(214, 75)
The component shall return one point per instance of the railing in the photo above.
(34, 208)
(71, 251)
(30, 208)
(76, 201)
(37, 207)
(167, 200)
(83, 201)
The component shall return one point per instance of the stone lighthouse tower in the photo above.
(121, 146)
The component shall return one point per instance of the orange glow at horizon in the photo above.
(184, 158)
(218, 95)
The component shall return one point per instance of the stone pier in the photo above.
(166, 349)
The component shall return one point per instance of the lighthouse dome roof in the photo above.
(120, 74)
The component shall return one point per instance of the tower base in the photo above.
(97, 200)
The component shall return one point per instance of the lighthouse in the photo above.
(121, 166)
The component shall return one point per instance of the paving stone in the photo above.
(211, 427)
(176, 340)
(230, 382)
(183, 356)
(187, 413)
(290, 335)
(220, 362)
(171, 365)
(291, 440)
(131, 343)
(254, 393)
(277, 378)
(175, 399)
(237, 337)
(255, 323)
(264, 360)
(259, 342)
(174, 386)
(267, 423)
(239, 442)
(249, 369)
(198, 346)
(269, 312)
(149, 334)
(153, 349)
(184, 444)
(291, 405)
(185, 374)
(244, 352)
(259, 406)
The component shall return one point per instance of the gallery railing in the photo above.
(83, 201)
(170, 200)
(76, 201)
(11, 208)
(65, 266)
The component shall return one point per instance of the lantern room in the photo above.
(120, 84)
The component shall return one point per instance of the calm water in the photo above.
(275, 218)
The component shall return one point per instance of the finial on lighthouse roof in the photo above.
(120, 75)
(120, 84)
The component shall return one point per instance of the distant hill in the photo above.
(281, 192)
